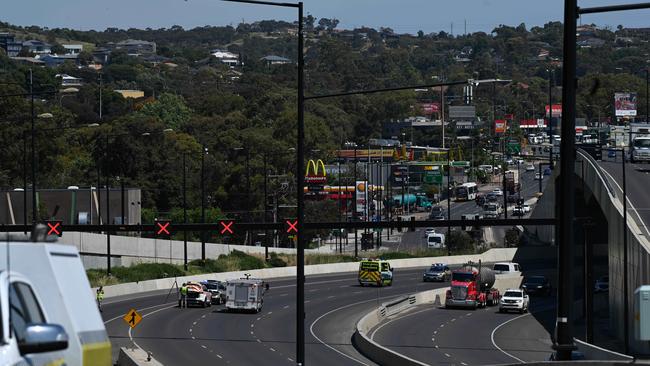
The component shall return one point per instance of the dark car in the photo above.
(491, 197)
(437, 272)
(218, 290)
(480, 199)
(513, 198)
(437, 213)
(547, 171)
(536, 285)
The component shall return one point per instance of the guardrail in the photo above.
(585, 156)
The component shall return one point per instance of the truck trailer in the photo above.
(472, 287)
(245, 294)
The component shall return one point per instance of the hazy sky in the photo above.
(404, 16)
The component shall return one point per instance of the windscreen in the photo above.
(463, 276)
(436, 269)
(512, 294)
(369, 266)
(642, 143)
(537, 280)
(435, 239)
(501, 267)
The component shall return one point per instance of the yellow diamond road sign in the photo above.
(132, 318)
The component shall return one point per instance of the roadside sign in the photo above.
(54, 227)
(163, 227)
(464, 164)
(132, 318)
(226, 227)
(292, 226)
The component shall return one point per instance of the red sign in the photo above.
(292, 226)
(509, 117)
(430, 108)
(54, 228)
(557, 110)
(500, 126)
(163, 227)
(226, 227)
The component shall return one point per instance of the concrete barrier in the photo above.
(492, 255)
(593, 352)
(387, 357)
(135, 357)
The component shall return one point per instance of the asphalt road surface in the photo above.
(439, 336)
(637, 179)
(334, 303)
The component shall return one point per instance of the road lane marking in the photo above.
(204, 347)
(286, 307)
(272, 350)
(433, 339)
(629, 202)
(463, 363)
(447, 354)
(499, 326)
(140, 310)
(219, 356)
(372, 335)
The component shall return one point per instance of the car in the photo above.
(437, 213)
(611, 154)
(491, 197)
(530, 168)
(602, 284)
(437, 272)
(520, 161)
(536, 285)
(525, 207)
(480, 199)
(428, 231)
(518, 211)
(218, 290)
(513, 198)
(198, 294)
(506, 267)
(538, 176)
(547, 171)
(514, 299)
(498, 192)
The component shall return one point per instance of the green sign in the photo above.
(463, 164)
(433, 177)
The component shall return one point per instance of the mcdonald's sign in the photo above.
(315, 173)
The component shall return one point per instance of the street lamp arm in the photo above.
(271, 3)
(372, 91)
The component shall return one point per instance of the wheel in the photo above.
(521, 311)
(203, 305)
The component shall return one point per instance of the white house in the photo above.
(67, 80)
(226, 57)
(73, 49)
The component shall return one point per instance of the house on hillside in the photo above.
(101, 55)
(37, 47)
(275, 60)
(9, 44)
(67, 80)
(135, 47)
(226, 57)
(56, 60)
(591, 43)
(73, 49)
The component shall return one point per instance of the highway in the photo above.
(334, 303)
(529, 187)
(637, 178)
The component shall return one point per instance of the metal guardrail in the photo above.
(586, 156)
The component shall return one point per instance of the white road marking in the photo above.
(140, 310)
(433, 339)
(219, 356)
(436, 346)
(286, 307)
(252, 332)
(193, 337)
(144, 316)
(331, 297)
(435, 332)
(372, 335)
(290, 359)
(204, 347)
(272, 350)
(447, 354)
(463, 363)
(284, 295)
(194, 323)
(259, 341)
(190, 330)
(258, 319)
(442, 325)
(499, 326)
(453, 319)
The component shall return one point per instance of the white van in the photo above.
(245, 294)
(57, 275)
(436, 240)
(506, 267)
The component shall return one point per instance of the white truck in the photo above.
(54, 316)
(435, 240)
(640, 149)
(245, 294)
(492, 210)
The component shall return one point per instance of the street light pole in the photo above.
(266, 233)
(185, 211)
(354, 210)
(448, 200)
(204, 152)
(550, 116)
(31, 92)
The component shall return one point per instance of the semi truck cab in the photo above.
(640, 150)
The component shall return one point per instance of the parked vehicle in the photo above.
(536, 285)
(602, 284)
(375, 272)
(514, 299)
(506, 267)
(218, 290)
(530, 168)
(53, 309)
(436, 241)
(491, 197)
(245, 294)
(198, 295)
(472, 287)
(547, 171)
(437, 272)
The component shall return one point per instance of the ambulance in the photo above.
(375, 272)
(59, 323)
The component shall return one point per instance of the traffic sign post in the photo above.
(132, 318)
(292, 226)
(54, 227)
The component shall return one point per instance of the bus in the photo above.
(466, 192)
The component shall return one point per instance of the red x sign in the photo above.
(226, 227)
(163, 227)
(54, 228)
(292, 226)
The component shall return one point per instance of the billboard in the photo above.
(430, 108)
(462, 112)
(500, 126)
(557, 110)
(625, 104)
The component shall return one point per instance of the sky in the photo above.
(403, 16)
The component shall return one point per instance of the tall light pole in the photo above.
(204, 152)
(550, 117)
(185, 211)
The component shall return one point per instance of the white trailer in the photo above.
(245, 294)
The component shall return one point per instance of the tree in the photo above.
(170, 109)
(459, 241)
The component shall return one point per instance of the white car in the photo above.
(530, 168)
(497, 192)
(514, 299)
(429, 231)
(538, 176)
(525, 207)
